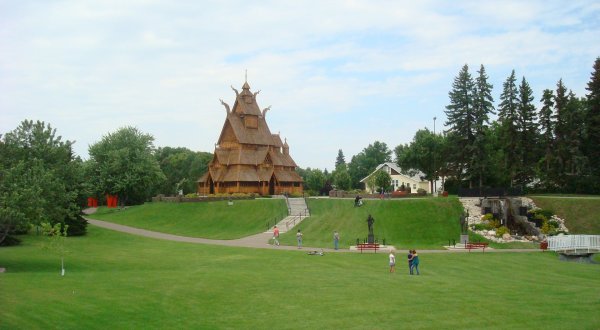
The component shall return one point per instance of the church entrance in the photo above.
(272, 186)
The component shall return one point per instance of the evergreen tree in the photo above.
(508, 118)
(340, 159)
(461, 121)
(527, 129)
(592, 120)
(483, 107)
(546, 123)
(561, 118)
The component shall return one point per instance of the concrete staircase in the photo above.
(297, 210)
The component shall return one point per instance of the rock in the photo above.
(506, 237)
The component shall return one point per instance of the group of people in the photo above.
(276, 237)
(413, 262)
(336, 238)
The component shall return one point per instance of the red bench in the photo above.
(477, 245)
(368, 246)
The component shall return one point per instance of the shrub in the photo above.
(10, 241)
(501, 231)
(421, 192)
(76, 226)
(191, 195)
(548, 229)
(481, 226)
(488, 217)
(554, 224)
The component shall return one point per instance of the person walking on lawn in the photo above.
(299, 238)
(275, 236)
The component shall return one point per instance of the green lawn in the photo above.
(582, 213)
(120, 281)
(425, 223)
(215, 220)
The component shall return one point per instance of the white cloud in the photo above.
(349, 71)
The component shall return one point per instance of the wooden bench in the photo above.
(368, 246)
(477, 245)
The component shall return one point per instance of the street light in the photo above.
(434, 171)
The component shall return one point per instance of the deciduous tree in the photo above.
(123, 164)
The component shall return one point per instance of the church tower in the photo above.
(248, 158)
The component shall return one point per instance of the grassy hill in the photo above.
(215, 220)
(425, 223)
(122, 281)
(581, 213)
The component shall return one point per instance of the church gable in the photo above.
(248, 157)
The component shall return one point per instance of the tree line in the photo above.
(552, 145)
(43, 182)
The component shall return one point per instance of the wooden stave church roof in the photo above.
(266, 147)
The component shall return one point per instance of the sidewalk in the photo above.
(260, 241)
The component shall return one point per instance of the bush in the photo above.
(554, 224)
(501, 231)
(481, 226)
(10, 241)
(77, 226)
(421, 192)
(488, 217)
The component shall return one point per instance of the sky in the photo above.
(337, 74)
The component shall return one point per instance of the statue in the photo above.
(370, 222)
(226, 106)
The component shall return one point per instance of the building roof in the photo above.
(246, 143)
(415, 177)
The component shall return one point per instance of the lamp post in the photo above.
(434, 171)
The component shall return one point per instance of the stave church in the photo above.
(248, 158)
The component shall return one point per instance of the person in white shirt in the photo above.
(392, 262)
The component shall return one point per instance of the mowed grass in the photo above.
(216, 220)
(425, 223)
(121, 281)
(581, 214)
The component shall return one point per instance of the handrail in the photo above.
(574, 242)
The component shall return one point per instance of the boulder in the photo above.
(506, 236)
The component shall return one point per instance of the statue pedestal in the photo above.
(464, 239)
(371, 238)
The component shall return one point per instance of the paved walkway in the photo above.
(260, 241)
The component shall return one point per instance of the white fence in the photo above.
(578, 243)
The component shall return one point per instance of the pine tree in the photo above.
(461, 120)
(483, 106)
(508, 118)
(340, 160)
(592, 120)
(561, 117)
(546, 121)
(527, 129)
